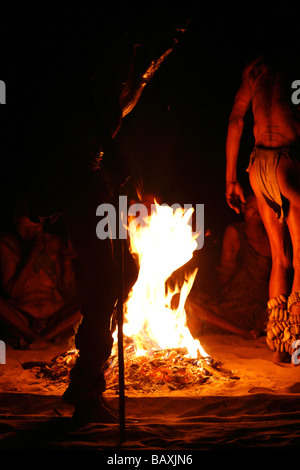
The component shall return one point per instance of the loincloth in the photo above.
(266, 161)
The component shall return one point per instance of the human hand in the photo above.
(235, 196)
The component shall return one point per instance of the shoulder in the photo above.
(233, 231)
(252, 66)
(253, 62)
(231, 239)
(231, 244)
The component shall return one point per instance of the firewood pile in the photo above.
(164, 370)
(158, 371)
(58, 369)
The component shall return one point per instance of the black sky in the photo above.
(175, 137)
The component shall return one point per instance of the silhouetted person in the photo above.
(101, 72)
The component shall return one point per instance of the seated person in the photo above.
(241, 293)
(39, 302)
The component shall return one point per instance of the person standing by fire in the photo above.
(274, 173)
(100, 73)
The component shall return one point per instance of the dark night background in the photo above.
(175, 137)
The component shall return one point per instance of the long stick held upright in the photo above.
(120, 318)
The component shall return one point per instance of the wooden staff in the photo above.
(118, 252)
(120, 318)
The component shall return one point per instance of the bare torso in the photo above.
(276, 118)
(40, 296)
(38, 293)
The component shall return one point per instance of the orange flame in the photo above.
(163, 243)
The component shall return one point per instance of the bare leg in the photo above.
(284, 238)
(288, 174)
(281, 272)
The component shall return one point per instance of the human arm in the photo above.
(234, 191)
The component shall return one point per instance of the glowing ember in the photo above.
(161, 371)
(162, 243)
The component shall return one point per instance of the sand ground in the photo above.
(259, 410)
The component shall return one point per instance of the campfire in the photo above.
(161, 245)
(159, 350)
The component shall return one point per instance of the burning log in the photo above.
(58, 369)
(161, 371)
(164, 370)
